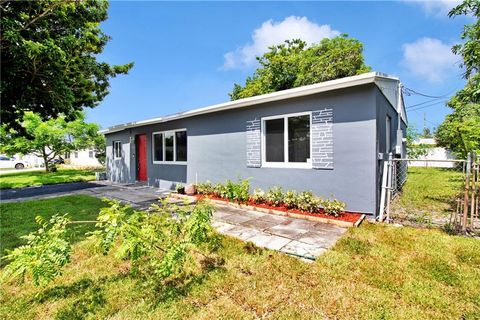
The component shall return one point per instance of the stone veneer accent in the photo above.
(322, 139)
(254, 159)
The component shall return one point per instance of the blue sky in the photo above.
(189, 54)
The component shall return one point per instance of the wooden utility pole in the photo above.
(465, 196)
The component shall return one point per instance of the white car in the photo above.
(12, 163)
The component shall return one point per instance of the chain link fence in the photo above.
(430, 192)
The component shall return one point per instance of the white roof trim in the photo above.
(346, 82)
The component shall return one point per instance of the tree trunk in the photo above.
(45, 159)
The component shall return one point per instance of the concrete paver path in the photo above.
(306, 239)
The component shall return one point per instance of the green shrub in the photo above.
(243, 190)
(180, 188)
(220, 190)
(275, 196)
(205, 188)
(238, 191)
(333, 207)
(230, 189)
(259, 196)
(291, 199)
(307, 201)
(158, 245)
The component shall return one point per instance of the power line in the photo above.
(409, 92)
(422, 103)
(428, 105)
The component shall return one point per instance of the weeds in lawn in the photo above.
(162, 244)
(374, 271)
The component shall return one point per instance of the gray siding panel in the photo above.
(218, 148)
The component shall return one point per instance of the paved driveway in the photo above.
(51, 189)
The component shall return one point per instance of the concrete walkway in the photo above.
(302, 238)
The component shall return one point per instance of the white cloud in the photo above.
(429, 58)
(271, 33)
(439, 8)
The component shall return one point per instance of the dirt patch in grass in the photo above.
(428, 196)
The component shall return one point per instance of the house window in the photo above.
(67, 155)
(286, 141)
(75, 154)
(90, 153)
(157, 147)
(170, 146)
(117, 149)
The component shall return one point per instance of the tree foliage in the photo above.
(162, 243)
(46, 252)
(293, 64)
(415, 150)
(51, 138)
(460, 130)
(49, 52)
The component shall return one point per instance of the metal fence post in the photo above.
(383, 191)
(389, 184)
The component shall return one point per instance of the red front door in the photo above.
(141, 143)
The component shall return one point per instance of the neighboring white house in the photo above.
(436, 157)
(82, 158)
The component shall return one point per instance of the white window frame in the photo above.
(163, 147)
(115, 142)
(285, 164)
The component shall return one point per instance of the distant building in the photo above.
(436, 157)
(81, 158)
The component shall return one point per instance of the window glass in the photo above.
(181, 145)
(90, 153)
(299, 138)
(75, 154)
(117, 150)
(274, 140)
(158, 147)
(168, 146)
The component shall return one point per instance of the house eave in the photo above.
(342, 83)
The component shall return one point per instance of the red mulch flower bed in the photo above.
(344, 216)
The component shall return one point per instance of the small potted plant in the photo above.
(180, 188)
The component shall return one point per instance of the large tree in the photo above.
(49, 52)
(50, 138)
(293, 64)
(460, 131)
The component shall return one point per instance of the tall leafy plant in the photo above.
(161, 243)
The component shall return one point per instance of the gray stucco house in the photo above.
(329, 137)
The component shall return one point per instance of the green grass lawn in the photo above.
(428, 194)
(373, 272)
(18, 218)
(39, 178)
